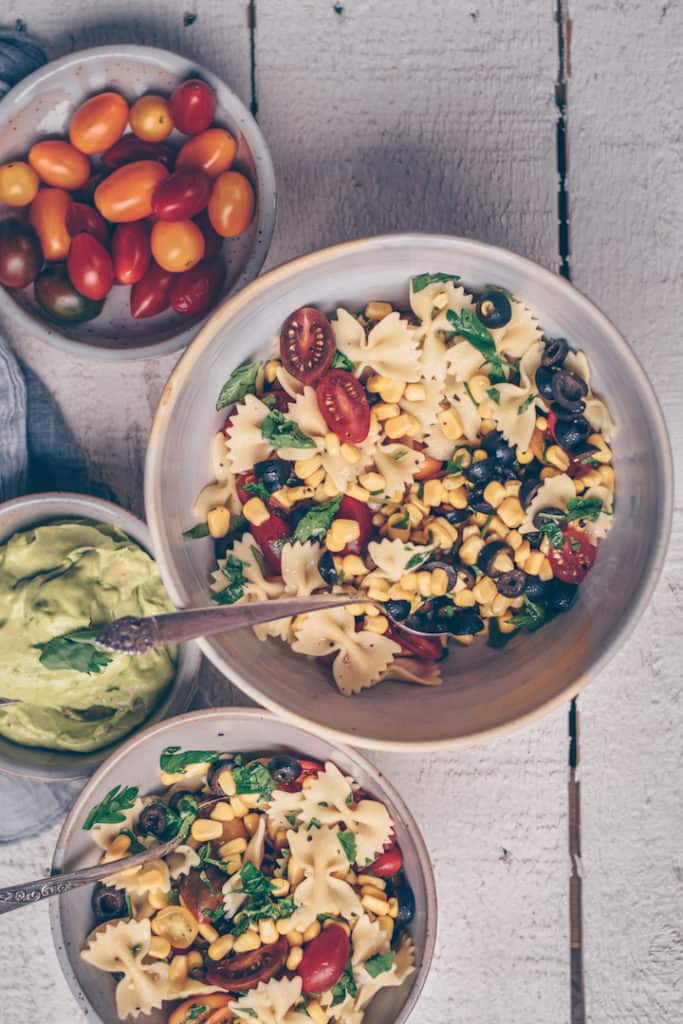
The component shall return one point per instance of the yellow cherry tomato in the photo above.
(151, 118)
(99, 122)
(177, 925)
(126, 194)
(231, 205)
(212, 151)
(48, 215)
(177, 245)
(19, 184)
(59, 164)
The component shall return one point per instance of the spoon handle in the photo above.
(132, 635)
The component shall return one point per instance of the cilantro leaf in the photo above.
(245, 1009)
(348, 841)
(379, 963)
(523, 406)
(241, 382)
(284, 433)
(254, 778)
(233, 572)
(583, 508)
(110, 810)
(417, 559)
(494, 395)
(75, 651)
(194, 1012)
(341, 362)
(175, 760)
(315, 524)
(469, 326)
(346, 986)
(420, 281)
(554, 534)
(455, 465)
(197, 531)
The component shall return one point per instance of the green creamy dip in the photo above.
(61, 577)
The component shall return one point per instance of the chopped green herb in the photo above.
(174, 760)
(348, 841)
(241, 382)
(129, 906)
(254, 778)
(341, 362)
(197, 531)
(523, 406)
(291, 818)
(244, 1009)
(554, 534)
(349, 799)
(469, 326)
(284, 433)
(233, 570)
(583, 508)
(402, 523)
(379, 963)
(317, 521)
(258, 558)
(315, 823)
(75, 651)
(135, 844)
(417, 559)
(195, 1011)
(494, 395)
(110, 810)
(531, 618)
(421, 281)
(346, 986)
(456, 464)
(258, 490)
(469, 392)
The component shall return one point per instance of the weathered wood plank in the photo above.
(626, 203)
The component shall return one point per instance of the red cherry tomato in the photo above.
(388, 863)
(552, 422)
(193, 105)
(307, 344)
(428, 648)
(324, 960)
(90, 268)
(270, 537)
(195, 290)
(245, 971)
(152, 293)
(351, 508)
(344, 405)
(308, 769)
(572, 561)
(182, 196)
(82, 218)
(131, 251)
(213, 241)
(130, 150)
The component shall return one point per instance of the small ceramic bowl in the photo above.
(137, 763)
(484, 691)
(55, 765)
(41, 107)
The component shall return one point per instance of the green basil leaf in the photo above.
(554, 534)
(110, 810)
(317, 521)
(420, 282)
(348, 842)
(254, 778)
(241, 382)
(531, 618)
(75, 651)
(284, 433)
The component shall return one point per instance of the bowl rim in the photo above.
(49, 332)
(554, 283)
(141, 534)
(265, 717)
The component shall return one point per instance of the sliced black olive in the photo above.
(298, 512)
(481, 472)
(511, 584)
(531, 485)
(535, 589)
(108, 903)
(467, 574)
(547, 515)
(454, 516)
(447, 568)
(571, 434)
(561, 596)
(284, 768)
(569, 389)
(224, 763)
(398, 610)
(465, 623)
(406, 904)
(555, 352)
(154, 820)
(175, 799)
(535, 539)
(426, 618)
(494, 309)
(567, 414)
(477, 503)
(488, 555)
(273, 473)
(326, 568)
(544, 382)
(498, 448)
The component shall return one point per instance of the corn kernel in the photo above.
(396, 526)
(376, 310)
(494, 493)
(371, 890)
(350, 453)
(295, 872)
(226, 783)
(305, 468)
(157, 899)
(222, 812)
(499, 605)
(441, 533)
(295, 938)
(511, 512)
(424, 583)
(415, 513)
(267, 932)
(524, 457)
(270, 370)
(465, 599)
(415, 393)
(332, 443)
(391, 390)
(480, 455)
(255, 512)
(470, 550)
(433, 493)
(607, 477)
(246, 942)
(513, 487)
(393, 907)
(378, 624)
(546, 571)
(295, 957)
(387, 926)
(533, 564)
(439, 583)
(218, 521)
(159, 947)
(603, 452)
(251, 822)
(177, 971)
(232, 847)
(194, 960)
(541, 424)
(503, 563)
(479, 385)
(522, 553)
(119, 847)
(548, 472)
(378, 907)
(451, 424)
(353, 565)
(284, 926)
(204, 830)
(557, 457)
(513, 538)
(375, 880)
(396, 426)
(341, 533)
(484, 590)
(239, 807)
(221, 946)
(316, 1012)
(312, 931)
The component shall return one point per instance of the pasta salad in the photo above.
(285, 900)
(448, 462)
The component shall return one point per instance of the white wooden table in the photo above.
(442, 115)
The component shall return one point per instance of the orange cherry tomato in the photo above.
(127, 193)
(48, 215)
(177, 245)
(99, 122)
(211, 1009)
(19, 184)
(231, 205)
(212, 151)
(59, 164)
(151, 118)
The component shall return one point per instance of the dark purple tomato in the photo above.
(21, 256)
(194, 290)
(60, 301)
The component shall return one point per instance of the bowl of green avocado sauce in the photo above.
(69, 564)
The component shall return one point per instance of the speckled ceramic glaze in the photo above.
(137, 763)
(41, 107)
(485, 691)
(22, 513)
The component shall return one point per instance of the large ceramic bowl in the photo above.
(137, 763)
(55, 765)
(41, 107)
(485, 691)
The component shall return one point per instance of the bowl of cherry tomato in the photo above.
(136, 192)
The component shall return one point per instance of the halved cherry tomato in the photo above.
(152, 293)
(200, 892)
(90, 268)
(572, 561)
(426, 647)
(182, 195)
(270, 537)
(307, 344)
(195, 290)
(129, 150)
(127, 193)
(177, 245)
(83, 218)
(151, 119)
(308, 769)
(388, 863)
(231, 205)
(213, 152)
(240, 973)
(19, 183)
(59, 164)
(429, 469)
(324, 960)
(193, 104)
(208, 1009)
(344, 405)
(131, 251)
(552, 422)
(48, 214)
(351, 508)
(99, 122)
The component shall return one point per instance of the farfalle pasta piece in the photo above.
(120, 948)
(360, 657)
(305, 413)
(426, 409)
(437, 445)
(245, 444)
(462, 360)
(519, 333)
(393, 558)
(222, 491)
(320, 854)
(290, 384)
(256, 587)
(402, 967)
(153, 876)
(467, 410)
(599, 417)
(414, 670)
(181, 861)
(398, 465)
(431, 305)
(600, 527)
(282, 806)
(367, 939)
(105, 834)
(514, 409)
(555, 492)
(300, 568)
(233, 895)
(390, 348)
(271, 1002)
